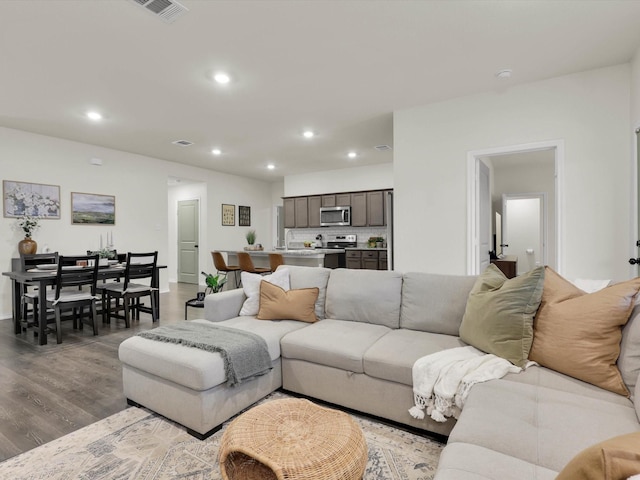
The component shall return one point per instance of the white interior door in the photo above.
(484, 215)
(188, 235)
(524, 223)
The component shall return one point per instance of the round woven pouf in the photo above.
(293, 439)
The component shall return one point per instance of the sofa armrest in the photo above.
(223, 305)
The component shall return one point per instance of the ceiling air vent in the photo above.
(382, 148)
(183, 143)
(167, 10)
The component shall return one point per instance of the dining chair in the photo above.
(31, 296)
(222, 267)
(275, 260)
(73, 275)
(246, 264)
(140, 266)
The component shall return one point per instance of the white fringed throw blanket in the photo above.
(442, 380)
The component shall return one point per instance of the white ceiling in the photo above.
(338, 67)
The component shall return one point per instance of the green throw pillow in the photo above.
(499, 314)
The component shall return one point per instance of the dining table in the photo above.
(45, 278)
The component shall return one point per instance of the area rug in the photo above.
(141, 445)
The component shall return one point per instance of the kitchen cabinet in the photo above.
(382, 260)
(370, 259)
(343, 199)
(302, 212)
(289, 212)
(354, 259)
(359, 209)
(328, 200)
(314, 204)
(375, 209)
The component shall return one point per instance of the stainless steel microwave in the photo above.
(335, 216)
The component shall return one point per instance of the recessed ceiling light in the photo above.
(506, 73)
(222, 78)
(94, 116)
(271, 166)
(352, 154)
(308, 134)
(216, 151)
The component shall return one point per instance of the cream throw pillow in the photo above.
(251, 287)
(276, 304)
(617, 458)
(499, 314)
(578, 333)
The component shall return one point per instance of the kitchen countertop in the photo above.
(293, 252)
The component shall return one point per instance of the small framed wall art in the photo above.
(93, 209)
(34, 199)
(228, 215)
(244, 216)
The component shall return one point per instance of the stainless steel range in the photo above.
(342, 241)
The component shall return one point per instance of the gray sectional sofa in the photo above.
(373, 326)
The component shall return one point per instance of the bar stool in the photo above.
(246, 264)
(275, 260)
(222, 267)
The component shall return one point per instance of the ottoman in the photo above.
(293, 439)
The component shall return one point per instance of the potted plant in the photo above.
(28, 225)
(251, 237)
(214, 282)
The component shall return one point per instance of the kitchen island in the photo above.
(307, 257)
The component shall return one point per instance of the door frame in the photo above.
(473, 200)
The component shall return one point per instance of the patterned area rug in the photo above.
(137, 444)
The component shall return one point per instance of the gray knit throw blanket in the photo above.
(245, 354)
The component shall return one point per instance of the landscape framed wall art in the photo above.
(34, 199)
(93, 209)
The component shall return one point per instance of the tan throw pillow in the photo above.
(617, 458)
(278, 304)
(578, 333)
(499, 314)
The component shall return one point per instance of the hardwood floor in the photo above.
(51, 390)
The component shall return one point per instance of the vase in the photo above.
(27, 246)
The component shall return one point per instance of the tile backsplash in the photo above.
(297, 236)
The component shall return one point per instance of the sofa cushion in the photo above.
(629, 359)
(539, 425)
(334, 343)
(579, 334)
(545, 377)
(392, 356)
(251, 287)
(464, 461)
(499, 314)
(277, 304)
(616, 458)
(310, 277)
(272, 331)
(434, 303)
(369, 296)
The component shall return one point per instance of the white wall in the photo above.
(140, 186)
(590, 111)
(374, 177)
(635, 90)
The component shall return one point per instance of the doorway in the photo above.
(517, 158)
(524, 229)
(188, 235)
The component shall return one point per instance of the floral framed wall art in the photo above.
(228, 215)
(93, 209)
(31, 199)
(244, 216)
